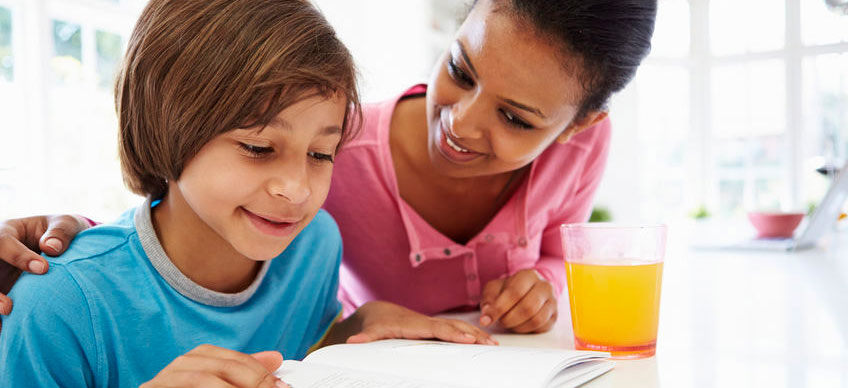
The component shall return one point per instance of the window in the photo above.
(730, 116)
(6, 60)
(58, 61)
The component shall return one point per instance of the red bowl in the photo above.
(775, 225)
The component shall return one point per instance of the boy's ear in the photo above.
(576, 127)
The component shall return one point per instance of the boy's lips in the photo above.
(274, 226)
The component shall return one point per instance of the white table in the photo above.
(737, 319)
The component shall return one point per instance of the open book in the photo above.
(430, 364)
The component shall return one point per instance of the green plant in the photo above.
(700, 213)
(600, 214)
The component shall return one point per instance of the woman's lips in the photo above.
(270, 225)
(451, 150)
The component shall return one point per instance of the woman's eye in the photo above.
(514, 120)
(458, 75)
(321, 157)
(256, 151)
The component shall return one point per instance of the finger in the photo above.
(529, 305)
(5, 305)
(231, 371)
(14, 252)
(359, 338)
(514, 290)
(250, 370)
(270, 360)
(541, 322)
(490, 293)
(60, 231)
(444, 330)
(481, 336)
(187, 379)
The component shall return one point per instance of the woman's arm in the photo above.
(22, 239)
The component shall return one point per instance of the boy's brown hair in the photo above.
(197, 68)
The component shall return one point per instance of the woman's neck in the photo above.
(199, 252)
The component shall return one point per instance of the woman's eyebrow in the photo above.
(514, 103)
(465, 58)
(521, 106)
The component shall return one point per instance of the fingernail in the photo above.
(485, 320)
(35, 266)
(281, 384)
(54, 243)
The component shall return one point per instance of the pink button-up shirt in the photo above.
(392, 254)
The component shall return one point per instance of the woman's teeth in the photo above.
(454, 146)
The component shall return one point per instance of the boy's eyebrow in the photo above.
(329, 130)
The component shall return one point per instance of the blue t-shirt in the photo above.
(113, 310)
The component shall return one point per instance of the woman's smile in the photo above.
(452, 149)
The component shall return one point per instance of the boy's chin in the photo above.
(257, 253)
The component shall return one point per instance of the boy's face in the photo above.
(259, 189)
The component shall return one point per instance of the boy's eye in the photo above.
(254, 150)
(458, 75)
(321, 157)
(514, 120)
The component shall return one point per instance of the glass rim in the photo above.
(612, 225)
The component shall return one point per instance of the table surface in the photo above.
(736, 319)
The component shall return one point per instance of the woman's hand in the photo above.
(20, 241)
(523, 303)
(211, 366)
(383, 320)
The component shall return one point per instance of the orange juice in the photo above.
(615, 308)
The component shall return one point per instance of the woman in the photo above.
(452, 195)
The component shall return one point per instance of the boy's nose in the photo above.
(294, 187)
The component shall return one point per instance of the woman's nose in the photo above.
(465, 119)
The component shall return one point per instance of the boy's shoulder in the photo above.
(99, 240)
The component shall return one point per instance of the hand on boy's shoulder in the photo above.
(522, 303)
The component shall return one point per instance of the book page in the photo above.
(305, 375)
(448, 363)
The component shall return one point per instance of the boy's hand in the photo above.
(211, 366)
(20, 241)
(383, 320)
(523, 303)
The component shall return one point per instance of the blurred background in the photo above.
(737, 106)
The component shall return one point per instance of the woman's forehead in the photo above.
(511, 58)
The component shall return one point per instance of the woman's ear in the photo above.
(576, 127)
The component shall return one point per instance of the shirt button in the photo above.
(522, 242)
(471, 277)
(417, 257)
(474, 298)
(447, 252)
(489, 238)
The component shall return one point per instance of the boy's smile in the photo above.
(279, 227)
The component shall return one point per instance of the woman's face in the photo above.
(499, 97)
